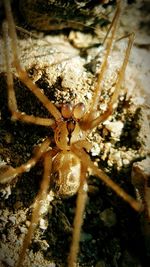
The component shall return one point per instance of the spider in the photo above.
(68, 160)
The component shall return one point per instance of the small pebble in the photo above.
(100, 263)
(108, 217)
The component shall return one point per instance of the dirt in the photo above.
(66, 70)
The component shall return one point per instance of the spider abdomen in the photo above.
(66, 173)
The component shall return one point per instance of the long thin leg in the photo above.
(21, 72)
(110, 108)
(98, 89)
(85, 159)
(32, 119)
(78, 220)
(11, 173)
(12, 103)
(112, 23)
(37, 206)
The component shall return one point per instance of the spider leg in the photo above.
(23, 76)
(88, 117)
(112, 23)
(10, 173)
(85, 159)
(78, 219)
(12, 103)
(37, 206)
(111, 105)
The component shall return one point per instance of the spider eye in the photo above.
(66, 110)
(79, 111)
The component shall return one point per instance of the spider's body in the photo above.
(66, 165)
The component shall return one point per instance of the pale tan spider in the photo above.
(69, 157)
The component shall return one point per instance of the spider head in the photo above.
(68, 130)
(75, 113)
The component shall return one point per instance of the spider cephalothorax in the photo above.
(68, 130)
